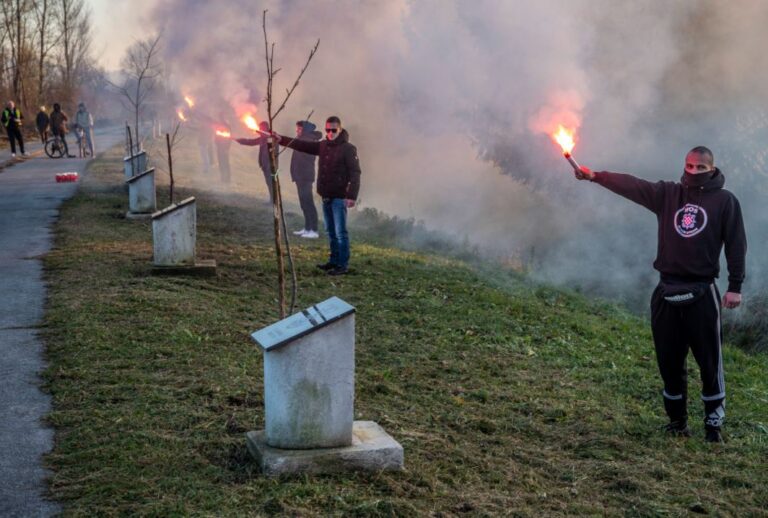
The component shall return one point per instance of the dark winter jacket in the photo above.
(303, 164)
(263, 151)
(696, 217)
(59, 122)
(11, 119)
(338, 172)
(41, 121)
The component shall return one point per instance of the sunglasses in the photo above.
(331, 130)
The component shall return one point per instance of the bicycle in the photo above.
(82, 144)
(55, 147)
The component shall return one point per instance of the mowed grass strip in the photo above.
(509, 398)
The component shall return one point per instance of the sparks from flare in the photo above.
(250, 121)
(190, 102)
(565, 138)
(223, 133)
(181, 115)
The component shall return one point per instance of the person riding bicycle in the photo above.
(84, 120)
(59, 121)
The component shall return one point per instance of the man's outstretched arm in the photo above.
(648, 194)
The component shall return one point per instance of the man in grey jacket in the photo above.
(84, 120)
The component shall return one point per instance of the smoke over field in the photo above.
(450, 103)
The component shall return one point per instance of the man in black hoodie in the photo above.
(338, 183)
(303, 175)
(696, 218)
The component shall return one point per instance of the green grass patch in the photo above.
(509, 398)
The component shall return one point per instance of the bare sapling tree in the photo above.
(141, 68)
(170, 141)
(273, 110)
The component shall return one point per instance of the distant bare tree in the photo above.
(47, 38)
(75, 27)
(141, 68)
(15, 28)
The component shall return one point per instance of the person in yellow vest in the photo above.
(11, 119)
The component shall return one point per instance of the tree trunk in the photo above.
(276, 210)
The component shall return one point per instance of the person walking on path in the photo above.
(41, 123)
(338, 183)
(84, 120)
(59, 121)
(697, 218)
(263, 144)
(11, 119)
(303, 175)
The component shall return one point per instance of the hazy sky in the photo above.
(117, 23)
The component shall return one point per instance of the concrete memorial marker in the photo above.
(136, 164)
(142, 201)
(174, 237)
(309, 380)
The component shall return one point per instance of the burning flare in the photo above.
(181, 115)
(564, 137)
(250, 121)
(223, 133)
(190, 102)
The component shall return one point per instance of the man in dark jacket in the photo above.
(696, 219)
(59, 125)
(11, 119)
(303, 175)
(338, 183)
(263, 143)
(41, 123)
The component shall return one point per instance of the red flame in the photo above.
(566, 139)
(223, 133)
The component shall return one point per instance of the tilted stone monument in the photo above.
(142, 200)
(174, 238)
(309, 391)
(136, 164)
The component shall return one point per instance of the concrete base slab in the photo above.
(203, 268)
(372, 449)
(138, 215)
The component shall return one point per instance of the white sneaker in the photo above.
(300, 232)
(13, 154)
(25, 154)
(310, 234)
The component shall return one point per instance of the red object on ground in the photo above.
(66, 177)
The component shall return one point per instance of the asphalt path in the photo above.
(29, 204)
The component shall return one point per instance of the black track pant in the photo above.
(14, 135)
(675, 330)
(307, 202)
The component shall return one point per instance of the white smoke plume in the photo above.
(450, 104)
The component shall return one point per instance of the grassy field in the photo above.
(509, 398)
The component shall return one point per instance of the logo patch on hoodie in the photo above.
(690, 220)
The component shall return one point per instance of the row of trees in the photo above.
(45, 52)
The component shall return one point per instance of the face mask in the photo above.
(697, 180)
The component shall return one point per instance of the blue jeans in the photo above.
(335, 215)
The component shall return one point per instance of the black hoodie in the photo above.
(696, 217)
(302, 164)
(338, 172)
